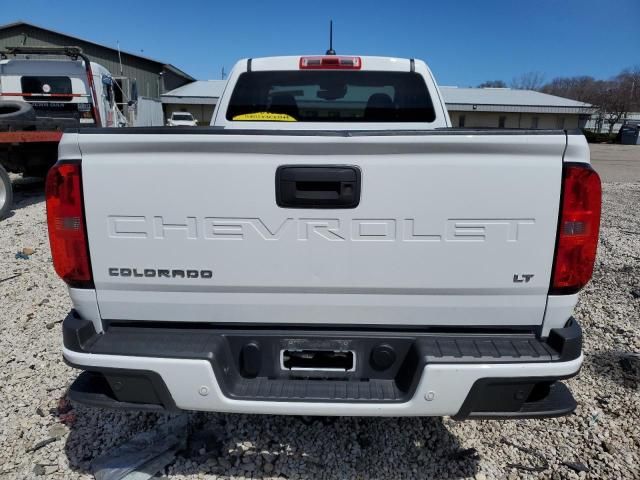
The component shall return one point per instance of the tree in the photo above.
(613, 105)
(583, 88)
(620, 96)
(629, 80)
(613, 98)
(528, 81)
(493, 84)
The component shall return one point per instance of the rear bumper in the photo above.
(432, 374)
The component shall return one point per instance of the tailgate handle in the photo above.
(325, 186)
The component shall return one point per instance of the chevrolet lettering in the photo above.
(367, 229)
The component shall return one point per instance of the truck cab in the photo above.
(312, 93)
(59, 91)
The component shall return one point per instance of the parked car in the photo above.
(42, 92)
(181, 119)
(331, 246)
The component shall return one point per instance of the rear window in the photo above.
(331, 96)
(182, 116)
(47, 88)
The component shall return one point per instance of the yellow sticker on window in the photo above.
(265, 117)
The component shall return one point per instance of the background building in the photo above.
(198, 98)
(151, 77)
(509, 108)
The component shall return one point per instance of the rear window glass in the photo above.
(331, 96)
(182, 116)
(47, 88)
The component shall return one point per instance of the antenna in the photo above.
(331, 51)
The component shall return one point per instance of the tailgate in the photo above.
(450, 229)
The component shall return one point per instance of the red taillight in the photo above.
(67, 229)
(578, 229)
(330, 62)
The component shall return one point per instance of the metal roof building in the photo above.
(152, 77)
(198, 98)
(205, 92)
(510, 108)
(509, 100)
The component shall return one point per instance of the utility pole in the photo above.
(119, 58)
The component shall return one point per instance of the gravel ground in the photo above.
(616, 163)
(603, 435)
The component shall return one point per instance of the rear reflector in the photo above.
(330, 62)
(67, 227)
(578, 229)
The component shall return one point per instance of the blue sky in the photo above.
(464, 42)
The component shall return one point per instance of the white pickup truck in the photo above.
(329, 246)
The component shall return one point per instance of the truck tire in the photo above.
(16, 110)
(6, 193)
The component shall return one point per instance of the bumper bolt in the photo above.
(204, 391)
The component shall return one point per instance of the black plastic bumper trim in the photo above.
(517, 398)
(129, 389)
(246, 361)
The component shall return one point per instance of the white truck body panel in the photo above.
(444, 224)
